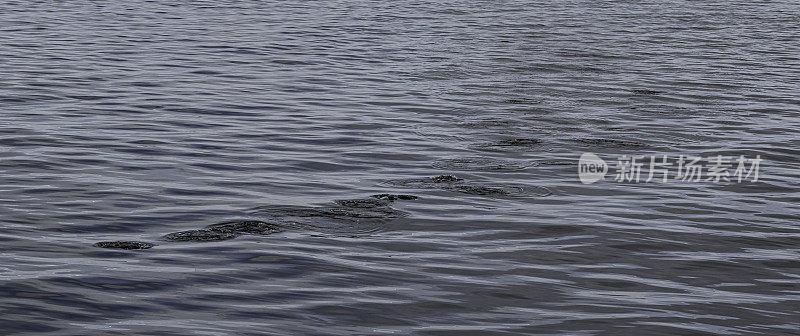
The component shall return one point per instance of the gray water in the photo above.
(131, 120)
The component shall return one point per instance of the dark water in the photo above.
(130, 120)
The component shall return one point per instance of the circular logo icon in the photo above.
(591, 168)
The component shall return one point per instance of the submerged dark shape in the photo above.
(361, 218)
(200, 235)
(645, 91)
(245, 227)
(394, 197)
(452, 183)
(225, 231)
(340, 213)
(332, 212)
(509, 144)
(363, 203)
(520, 101)
(482, 190)
(124, 245)
(426, 182)
(556, 162)
(613, 143)
(445, 179)
(517, 142)
(374, 213)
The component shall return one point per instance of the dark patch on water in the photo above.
(556, 162)
(610, 143)
(452, 183)
(213, 232)
(200, 235)
(246, 227)
(509, 144)
(350, 216)
(485, 190)
(225, 231)
(645, 92)
(518, 142)
(124, 245)
(551, 230)
(520, 101)
(394, 197)
(363, 203)
(425, 182)
(502, 190)
(342, 218)
(339, 213)
(206, 72)
(358, 218)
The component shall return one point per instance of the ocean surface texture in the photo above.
(399, 167)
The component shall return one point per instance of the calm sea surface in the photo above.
(132, 120)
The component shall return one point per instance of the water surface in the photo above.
(130, 120)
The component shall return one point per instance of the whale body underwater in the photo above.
(374, 208)
(347, 213)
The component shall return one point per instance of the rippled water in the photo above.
(132, 120)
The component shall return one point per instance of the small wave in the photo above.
(476, 163)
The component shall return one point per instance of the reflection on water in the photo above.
(394, 167)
